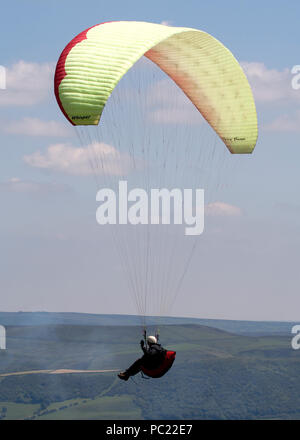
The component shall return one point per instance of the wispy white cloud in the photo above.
(270, 85)
(36, 127)
(285, 123)
(166, 23)
(27, 83)
(222, 209)
(274, 89)
(18, 185)
(175, 116)
(96, 158)
(169, 105)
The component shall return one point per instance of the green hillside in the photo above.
(216, 375)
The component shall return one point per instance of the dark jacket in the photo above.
(153, 355)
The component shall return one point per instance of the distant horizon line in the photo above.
(149, 316)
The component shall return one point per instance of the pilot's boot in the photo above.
(124, 375)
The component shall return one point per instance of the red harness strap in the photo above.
(163, 368)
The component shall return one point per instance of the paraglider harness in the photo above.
(168, 357)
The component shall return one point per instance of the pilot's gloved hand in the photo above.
(142, 343)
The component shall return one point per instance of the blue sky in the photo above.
(245, 266)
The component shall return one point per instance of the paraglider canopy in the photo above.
(93, 63)
(123, 135)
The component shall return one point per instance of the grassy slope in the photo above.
(100, 408)
(216, 375)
